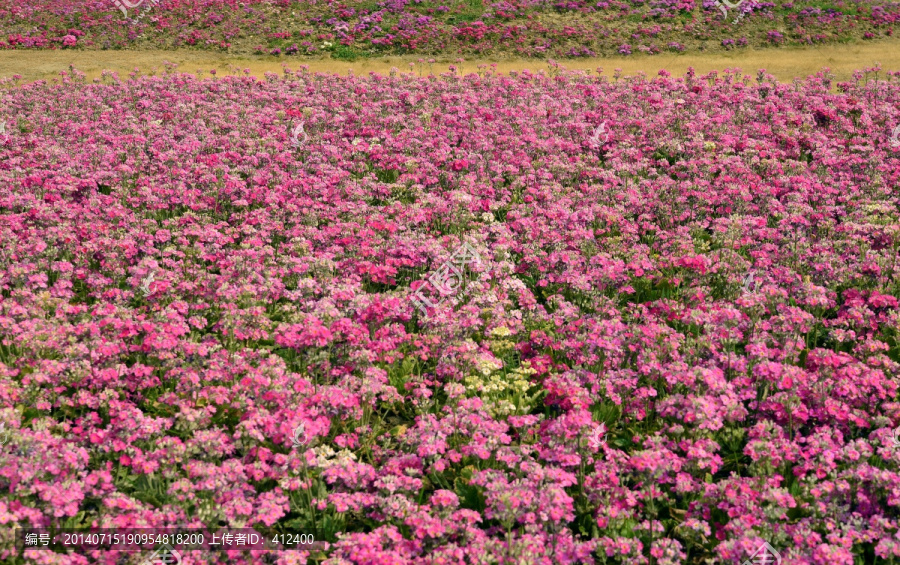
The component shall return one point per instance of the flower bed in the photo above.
(348, 30)
(679, 337)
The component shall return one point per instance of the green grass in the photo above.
(345, 53)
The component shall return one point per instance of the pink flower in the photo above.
(459, 164)
(445, 499)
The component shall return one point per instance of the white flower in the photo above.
(324, 453)
(487, 366)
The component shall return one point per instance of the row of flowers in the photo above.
(680, 340)
(577, 28)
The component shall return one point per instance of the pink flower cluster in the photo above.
(181, 288)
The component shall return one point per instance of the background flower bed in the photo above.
(182, 289)
(348, 30)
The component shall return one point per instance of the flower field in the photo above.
(675, 339)
(361, 28)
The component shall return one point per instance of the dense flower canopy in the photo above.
(680, 339)
(359, 28)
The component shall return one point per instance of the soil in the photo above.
(785, 64)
